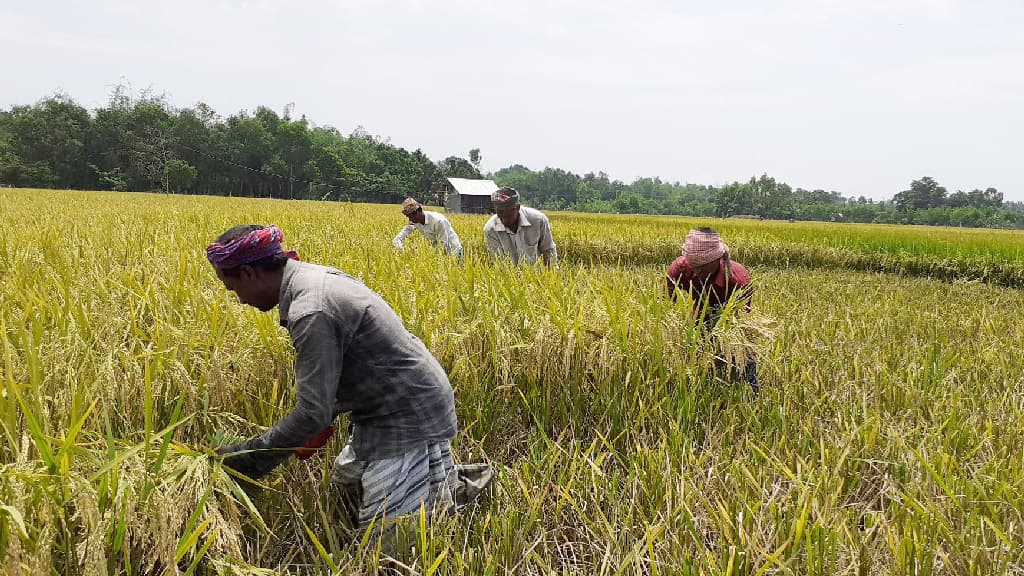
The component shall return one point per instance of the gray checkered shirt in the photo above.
(353, 354)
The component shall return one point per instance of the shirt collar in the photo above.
(285, 299)
(523, 221)
(427, 219)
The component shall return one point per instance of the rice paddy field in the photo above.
(886, 438)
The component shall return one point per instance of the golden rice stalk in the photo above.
(28, 519)
(736, 337)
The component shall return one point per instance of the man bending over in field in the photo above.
(352, 354)
(708, 273)
(433, 225)
(519, 233)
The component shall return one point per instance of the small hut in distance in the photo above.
(463, 195)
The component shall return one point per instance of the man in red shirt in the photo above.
(706, 271)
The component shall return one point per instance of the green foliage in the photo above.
(923, 194)
(143, 144)
(630, 203)
(179, 175)
(46, 142)
(455, 167)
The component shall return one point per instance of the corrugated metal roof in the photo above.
(469, 187)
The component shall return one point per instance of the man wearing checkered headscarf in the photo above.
(707, 272)
(706, 267)
(703, 246)
(433, 225)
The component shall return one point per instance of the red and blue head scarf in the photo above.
(249, 248)
(505, 197)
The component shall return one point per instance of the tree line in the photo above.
(144, 144)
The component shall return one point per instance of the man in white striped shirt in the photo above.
(433, 225)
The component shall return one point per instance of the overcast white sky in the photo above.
(859, 96)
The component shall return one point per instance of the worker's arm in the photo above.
(674, 281)
(744, 288)
(447, 237)
(399, 240)
(318, 358)
(546, 246)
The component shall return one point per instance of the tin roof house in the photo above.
(463, 195)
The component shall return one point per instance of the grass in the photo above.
(992, 256)
(885, 440)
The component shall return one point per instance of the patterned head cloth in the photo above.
(703, 246)
(504, 197)
(255, 245)
(410, 206)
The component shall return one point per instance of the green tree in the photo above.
(48, 141)
(771, 199)
(923, 194)
(630, 203)
(149, 144)
(249, 146)
(179, 175)
(987, 198)
(457, 167)
(295, 150)
(734, 199)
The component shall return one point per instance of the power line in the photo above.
(260, 171)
